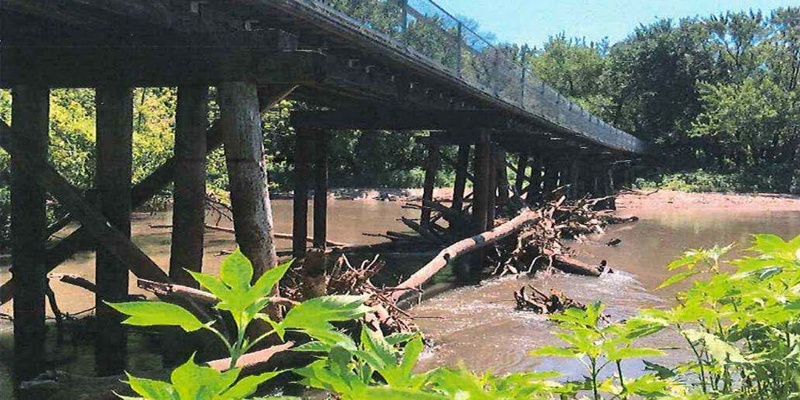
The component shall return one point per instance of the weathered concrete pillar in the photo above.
(321, 189)
(244, 152)
(188, 214)
(30, 115)
(113, 185)
(460, 186)
(302, 175)
(431, 170)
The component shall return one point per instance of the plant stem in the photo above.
(621, 379)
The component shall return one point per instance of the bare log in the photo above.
(251, 362)
(572, 266)
(173, 291)
(463, 247)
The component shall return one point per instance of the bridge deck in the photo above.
(357, 54)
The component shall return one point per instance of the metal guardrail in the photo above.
(423, 27)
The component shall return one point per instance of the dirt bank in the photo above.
(664, 201)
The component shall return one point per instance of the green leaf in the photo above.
(720, 350)
(677, 278)
(264, 285)
(152, 390)
(555, 351)
(626, 353)
(193, 381)
(314, 316)
(146, 313)
(249, 385)
(660, 370)
(212, 284)
(236, 271)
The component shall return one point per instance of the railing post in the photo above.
(522, 88)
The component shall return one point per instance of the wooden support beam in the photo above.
(522, 170)
(188, 212)
(240, 117)
(576, 187)
(29, 231)
(491, 207)
(113, 185)
(431, 170)
(483, 166)
(534, 189)
(462, 170)
(96, 224)
(82, 239)
(550, 179)
(77, 66)
(302, 174)
(321, 150)
(394, 119)
(502, 176)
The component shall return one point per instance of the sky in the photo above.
(533, 21)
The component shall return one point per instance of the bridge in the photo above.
(400, 65)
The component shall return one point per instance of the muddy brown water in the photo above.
(477, 326)
(473, 326)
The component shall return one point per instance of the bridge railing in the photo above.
(424, 27)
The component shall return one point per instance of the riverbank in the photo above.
(667, 201)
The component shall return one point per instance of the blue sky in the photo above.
(533, 21)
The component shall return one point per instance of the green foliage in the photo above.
(598, 345)
(741, 323)
(191, 381)
(244, 302)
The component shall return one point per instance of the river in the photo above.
(476, 326)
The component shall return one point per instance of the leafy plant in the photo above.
(244, 302)
(598, 345)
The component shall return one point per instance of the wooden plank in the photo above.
(320, 189)
(462, 170)
(113, 185)
(244, 153)
(188, 211)
(302, 174)
(29, 231)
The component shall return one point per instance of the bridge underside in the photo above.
(256, 53)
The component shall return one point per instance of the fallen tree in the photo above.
(463, 247)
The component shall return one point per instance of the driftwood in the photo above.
(541, 303)
(463, 247)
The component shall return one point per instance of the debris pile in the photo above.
(541, 303)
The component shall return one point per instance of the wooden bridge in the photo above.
(402, 65)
